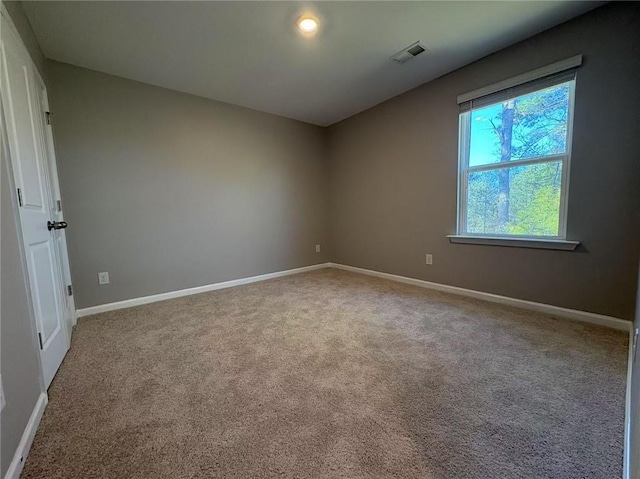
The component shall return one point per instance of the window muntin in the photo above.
(514, 157)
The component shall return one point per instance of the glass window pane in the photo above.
(527, 126)
(519, 200)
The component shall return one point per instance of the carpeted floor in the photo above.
(334, 374)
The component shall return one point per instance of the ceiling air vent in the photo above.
(406, 54)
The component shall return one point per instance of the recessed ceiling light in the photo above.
(307, 24)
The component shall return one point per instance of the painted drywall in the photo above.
(18, 353)
(167, 191)
(21, 22)
(393, 176)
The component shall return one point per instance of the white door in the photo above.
(60, 239)
(34, 181)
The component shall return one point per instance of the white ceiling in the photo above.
(250, 53)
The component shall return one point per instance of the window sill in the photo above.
(556, 244)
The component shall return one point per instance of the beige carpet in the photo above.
(333, 374)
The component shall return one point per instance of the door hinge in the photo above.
(40, 339)
(70, 290)
(20, 196)
(59, 205)
(47, 117)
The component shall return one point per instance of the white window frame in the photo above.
(464, 170)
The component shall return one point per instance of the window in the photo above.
(514, 153)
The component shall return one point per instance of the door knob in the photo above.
(56, 225)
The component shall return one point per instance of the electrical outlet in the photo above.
(103, 278)
(429, 259)
(317, 248)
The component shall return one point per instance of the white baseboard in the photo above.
(19, 458)
(584, 316)
(102, 308)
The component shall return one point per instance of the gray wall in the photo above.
(167, 191)
(394, 174)
(18, 353)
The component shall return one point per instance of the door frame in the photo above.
(54, 191)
